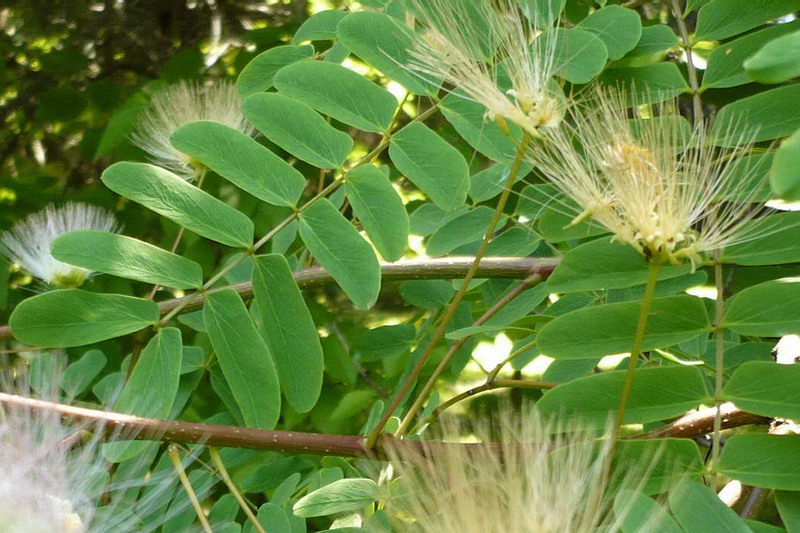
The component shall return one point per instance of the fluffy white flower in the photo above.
(535, 479)
(54, 477)
(28, 242)
(474, 45)
(181, 104)
(655, 183)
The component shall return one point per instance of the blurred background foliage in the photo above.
(75, 76)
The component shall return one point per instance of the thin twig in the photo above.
(690, 68)
(226, 478)
(452, 307)
(523, 286)
(488, 386)
(175, 457)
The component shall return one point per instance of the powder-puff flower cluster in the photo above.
(473, 45)
(181, 104)
(28, 241)
(655, 183)
(535, 478)
(41, 490)
(54, 477)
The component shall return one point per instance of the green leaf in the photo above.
(340, 93)
(342, 252)
(516, 242)
(80, 374)
(542, 13)
(298, 129)
(784, 176)
(490, 182)
(779, 242)
(609, 329)
(469, 120)
(384, 341)
(72, 317)
(428, 218)
(289, 330)
(384, 43)
(273, 519)
(432, 164)
(427, 293)
(647, 85)
(469, 227)
(555, 223)
(580, 55)
(520, 306)
(380, 210)
(120, 126)
(692, 5)
(125, 257)
(601, 264)
(257, 75)
(788, 504)
(698, 509)
(723, 18)
(244, 358)
(338, 497)
(661, 463)
(337, 53)
(242, 161)
(769, 461)
(619, 28)
(765, 310)
(653, 46)
(641, 513)
(470, 331)
(766, 389)
(762, 527)
(657, 393)
(170, 196)
(320, 26)
(763, 115)
(726, 62)
(151, 388)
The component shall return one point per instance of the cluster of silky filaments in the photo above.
(181, 104)
(472, 45)
(56, 480)
(44, 488)
(28, 242)
(537, 477)
(673, 197)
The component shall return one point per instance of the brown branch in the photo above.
(118, 426)
(701, 422)
(121, 427)
(445, 268)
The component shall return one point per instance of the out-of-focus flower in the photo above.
(655, 183)
(787, 351)
(28, 241)
(473, 45)
(181, 104)
(54, 477)
(533, 479)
